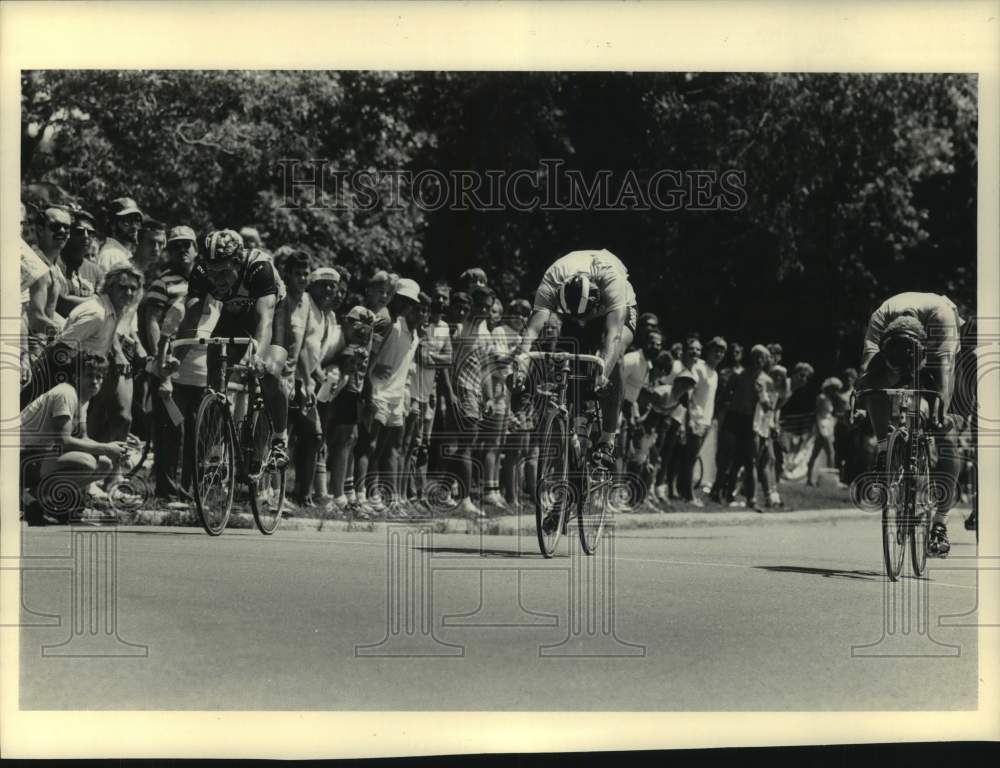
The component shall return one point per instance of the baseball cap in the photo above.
(361, 315)
(124, 206)
(324, 273)
(181, 233)
(83, 220)
(408, 289)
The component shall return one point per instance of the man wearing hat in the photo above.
(160, 315)
(124, 223)
(383, 417)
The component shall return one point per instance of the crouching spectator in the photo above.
(58, 461)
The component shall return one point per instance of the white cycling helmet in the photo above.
(578, 295)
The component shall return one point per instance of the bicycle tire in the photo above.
(894, 525)
(265, 480)
(552, 482)
(921, 512)
(214, 463)
(592, 506)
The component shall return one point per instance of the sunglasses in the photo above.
(55, 227)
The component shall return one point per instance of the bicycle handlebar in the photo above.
(566, 356)
(215, 341)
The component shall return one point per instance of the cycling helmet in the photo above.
(222, 245)
(579, 295)
(902, 343)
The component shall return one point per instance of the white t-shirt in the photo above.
(113, 253)
(436, 340)
(703, 397)
(391, 367)
(91, 325)
(606, 271)
(38, 427)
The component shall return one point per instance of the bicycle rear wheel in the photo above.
(894, 517)
(921, 511)
(553, 494)
(265, 479)
(214, 463)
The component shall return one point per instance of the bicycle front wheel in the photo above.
(553, 494)
(894, 516)
(921, 511)
(593, 505)
(264, 474)
(214, 463)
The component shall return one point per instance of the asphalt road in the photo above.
(751, 617)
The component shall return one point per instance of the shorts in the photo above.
(388, 413)
(346, 409)
(470, 404)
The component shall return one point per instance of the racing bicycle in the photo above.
(906, 493)
(565, 477)
(233, 443)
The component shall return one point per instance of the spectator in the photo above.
(748, 387)
(678, 427)
(382, 420)
(677, 349)
(152, 242)
(345, 410)
(293, 316)
(124, 222)
(160, 313)
(824, 426)
(377, 296)
(37, 315)
(763, 426)
(473, 278)
(702, 412)
(433, 355)
(842, 429)
(774, 348)
(495, 402)
(91, 328)
(515, 446)
(58, 461)
(52, 233)
(783, 390)
(653, 417)
(472, 345)
(79, 277)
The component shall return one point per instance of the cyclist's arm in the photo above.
(264, 310)
(533, 329)
(614, 325)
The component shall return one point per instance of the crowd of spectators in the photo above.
(398, 397)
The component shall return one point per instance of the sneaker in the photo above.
(603, 457)
(737, 504)
(494, 499)
(773, 499)
(356, 511)
(662, 494)
(938, 544)
(468, 509)
(396, 511)
(697, 503)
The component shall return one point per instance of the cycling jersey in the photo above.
(236, 309)
(937, 314)
(605, 270)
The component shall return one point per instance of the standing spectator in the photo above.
(748, 388)
(515, 445)
(776, 352)
(763, 427)
(382, 420)
(496, 405)
(783, 390)
(471, 350)
(345, 409)
(160, 313)
(419, 397)
(79, 277)
(824, 425)
(678, 427)
(56, 454)
(702, 414)
(723, 398)
(124, 222)
(842, 429)
(377, 296)
(251, 237)
(152, 242)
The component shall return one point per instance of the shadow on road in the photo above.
(480, 551)
(829, 573)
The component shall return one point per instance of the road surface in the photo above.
(745, 617)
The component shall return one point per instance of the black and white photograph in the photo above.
(482, 389)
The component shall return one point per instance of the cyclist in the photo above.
(912, 340)
(234, 291)
(590, 292)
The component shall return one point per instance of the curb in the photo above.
(511, 524)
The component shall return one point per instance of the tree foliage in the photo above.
(857, 186)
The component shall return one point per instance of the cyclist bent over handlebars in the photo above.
(912, 341)
(591, 293)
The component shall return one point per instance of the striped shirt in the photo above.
(168, 292)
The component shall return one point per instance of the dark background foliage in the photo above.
(857, 186)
